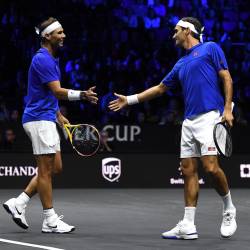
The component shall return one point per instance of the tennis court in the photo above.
(126, 219)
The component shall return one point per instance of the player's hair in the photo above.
(43, 25)
(197, 24)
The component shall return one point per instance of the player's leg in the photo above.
(57, 166)
(52, 223)
(219, 182)
(215, 173)
(31, 188)
(16, 206)
(48, 165)
(186, 228)
(191, 181)
(46, 148)
(44, 179)
(204, 134)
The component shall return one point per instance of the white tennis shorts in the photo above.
(44, 137)
(197, 135)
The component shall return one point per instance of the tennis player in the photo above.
(39, 122)
(199, 72)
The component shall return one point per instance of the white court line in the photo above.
(29, 245)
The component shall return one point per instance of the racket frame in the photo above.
(215, 140)
(70, 128)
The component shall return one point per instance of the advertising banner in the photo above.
(118, 171)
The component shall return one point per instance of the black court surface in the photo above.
(126, 219)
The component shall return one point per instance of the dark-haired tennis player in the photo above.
(199, 73)
(39, 122)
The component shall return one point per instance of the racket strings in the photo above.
(85, 140)
(229, 145)
(221, 137)
(223, 140)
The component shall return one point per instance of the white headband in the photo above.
(191, 27)
(49, 28)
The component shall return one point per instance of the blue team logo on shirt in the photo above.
(195, 53)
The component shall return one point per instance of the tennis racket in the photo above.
(84, 138)
(223, 139)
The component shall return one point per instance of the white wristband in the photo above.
(132, 99)
(74, 95)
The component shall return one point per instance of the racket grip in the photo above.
(66, 136)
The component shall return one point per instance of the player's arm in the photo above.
(228, 92)
(151, 93)
(72, 95)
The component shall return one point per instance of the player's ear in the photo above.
(47, 36)
(188, 31)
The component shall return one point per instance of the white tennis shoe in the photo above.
(17, 213)
(228, 225)
(54, 224)
(182, 231)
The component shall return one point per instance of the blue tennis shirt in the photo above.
(197, 72)
(41, 104)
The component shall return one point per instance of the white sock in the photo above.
(22, 200)
(189, 214)
(48, 212)
(227, 202)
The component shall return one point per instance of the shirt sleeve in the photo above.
(46, 70)
(218, 57)
(171, 79)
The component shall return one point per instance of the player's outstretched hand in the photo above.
(90, 95)
(118, 103)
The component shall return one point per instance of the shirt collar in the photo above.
(194, 47)
(44, 50)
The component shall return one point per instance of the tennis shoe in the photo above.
(182, 231)
(54, 224)
(228, 225)
(17, 212)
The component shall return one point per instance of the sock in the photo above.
(22, 200)
(189, 214)
(49, 212)
(227, 202)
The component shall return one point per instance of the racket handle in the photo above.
(66, 136)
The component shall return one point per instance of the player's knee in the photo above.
(210, 165)
(211, 168)
(187, 169)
